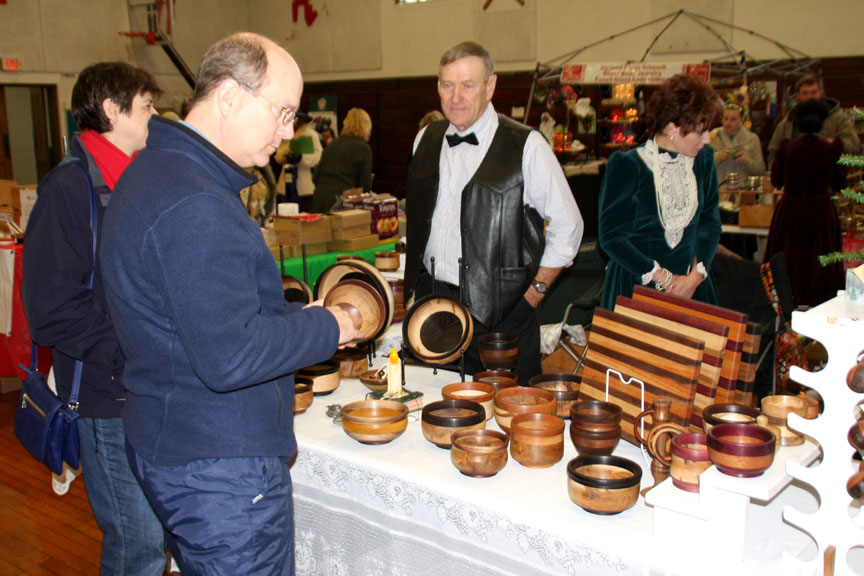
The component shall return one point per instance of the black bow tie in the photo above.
(455, 139)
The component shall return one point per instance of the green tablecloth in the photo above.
(315, 265)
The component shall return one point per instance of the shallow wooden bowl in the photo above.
(537, 440)
(387, 261)
(302, 396)
(480, 392)
(324, 377)
(777, 408)
(440, 419)
(741, 450)
(479, 453)
(295, 290)
(437, 328)
(357, 268)
(520, 400)
(728, 413)
(366, 299)
(373, 382)
(564, 386)
(352, 363)
(603, 484)
(498, 350)
(374, 421)
(499, 379)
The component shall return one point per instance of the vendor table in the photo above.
(403, 508)
(315, 265)
(760, 233)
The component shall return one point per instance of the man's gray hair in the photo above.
(241, 56)
(465, 49)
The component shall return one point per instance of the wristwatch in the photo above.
(540, 287)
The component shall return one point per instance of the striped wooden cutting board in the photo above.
(712, 334)
(749, 364)
(735, 321)
(665, 361)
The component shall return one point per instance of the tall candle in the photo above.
(394, 374)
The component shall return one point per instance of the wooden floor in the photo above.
(41, 533)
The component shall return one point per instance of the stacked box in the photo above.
(308, 229)
(353, 244)
(348, 224)
(384, 210)
(10, 200)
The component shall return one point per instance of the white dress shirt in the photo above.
(546, 190)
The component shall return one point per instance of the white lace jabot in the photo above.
(675, 187)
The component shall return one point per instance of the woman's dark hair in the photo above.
(684, 100)
(811, 116)
(119, 81)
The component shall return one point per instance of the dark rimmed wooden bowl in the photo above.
(479, 453)
(537, 440)
(603, 484)
(323, 376)
(357, 268)
(437, 328)
(595, 426)
(741, 450)
(366, 299)
(520, 400)
(295, 290)
(303, 396)
(479, 392)
(499, 379)
(373, 382)
(564, 386)
(498, 350)
(387, 261)
(777, 408)
(352, 363)
(374, 421)
(440, 419)
(728, 414)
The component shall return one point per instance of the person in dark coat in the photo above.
(345, 163)
(805, 223)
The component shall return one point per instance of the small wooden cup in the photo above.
(374, 421)
(499, 379)
(741, 450)
(441, 419)
(479, 453)
(498, 350)
(777, 408)
(324, 377)
(564, 386)
(518, 400)
(537, 440)
(387, 261)
(727, 413)
(689, 460)
(479, 392)
(303, 396)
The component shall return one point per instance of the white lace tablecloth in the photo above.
(404, 509)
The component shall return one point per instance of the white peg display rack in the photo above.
(690, 526)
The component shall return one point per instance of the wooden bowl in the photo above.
(564, 386)
(537, 440)
(374, 421)
(741, 450)
(499, 379)
(440, 419)
(479, 392)
(387, 261)
(777, 408)
(520, 400)
(352, 363)
(856, 436)
(855, 378)
(728, 413)
(498, 350)
(324, 377)
(362, 296)
(295, 290)
(372, 382)
(358, 269)
(437, 328)
(689, 460)
(603, 484)
(595, 427)
(479, 453)
(302, 396)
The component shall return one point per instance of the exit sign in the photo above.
(10, 64)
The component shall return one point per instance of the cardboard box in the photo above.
(26, 198)
(353, 244)
(291, 230)
(291, 251)
(350, 218)
(384, 210)
(305, 237)
(10, 200)
(351, 192)
(353, 232)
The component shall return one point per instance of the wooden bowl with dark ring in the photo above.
(728, 413)
(371, 380)
(777, 408)
(499, 379)
(437, 328)
(387, 261)
(323, 376)
(741, 450)
(357, 269)
(374, 421)
(856, 436)
(498, 350)
(295, 290)
(365, 299)
(537, 440)
(520, 400)
(303, 396)
(479, 392)
(603, 484)
(352, 363)
(855, 378)
(440, 419)
(595, 427)
(479, 453)
(564, 386)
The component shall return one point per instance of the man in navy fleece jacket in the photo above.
(198, 307)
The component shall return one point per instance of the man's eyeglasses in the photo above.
(286, 115)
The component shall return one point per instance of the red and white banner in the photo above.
(642, 73)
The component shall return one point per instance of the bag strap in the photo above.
(771, 291)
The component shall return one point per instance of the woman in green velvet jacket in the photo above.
(659, 220)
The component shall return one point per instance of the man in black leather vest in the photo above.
(480, 187)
